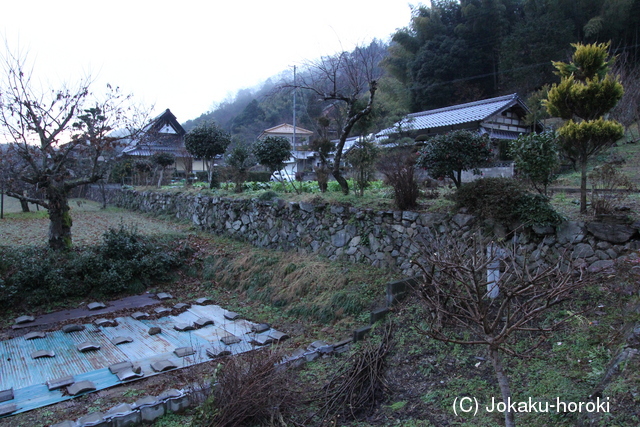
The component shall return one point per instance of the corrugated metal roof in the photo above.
(455, 115)
(28, 376)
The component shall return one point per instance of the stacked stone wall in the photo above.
(387, 239)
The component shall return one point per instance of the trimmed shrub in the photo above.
(506, 201)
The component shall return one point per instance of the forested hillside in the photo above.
(453, 52)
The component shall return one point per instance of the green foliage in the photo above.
(536, 158)
(362, 157)
(586, 92)
(506, 201)
(450, 154)
(163, 159)
(125, 262)
(207, 141)
(272, 152)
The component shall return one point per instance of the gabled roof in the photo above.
(165, 123)
(470, 112)
(286, 129)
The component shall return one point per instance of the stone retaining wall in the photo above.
(387, 239)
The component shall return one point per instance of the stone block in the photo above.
(139, 315)
(175, 400)
(360, 333)
(129, 374)
(231, 315)
(163, 365)
(162, 310)
(8, 409)
(230, 339)
(60, 382)
(378, 314)
(42, 353)
(88, 346)
(67, 329)
(201, 322)
(164, 296)
(6, 395)
(150, 408)
(96, 306)
(35, 335)
(81, 387)
(105, 323)
(183, 327)
(121, 340)
(155, 330)
(259, 328)
(184, 351)
(204, 301)
(278, 336)
(24, 319)
(117, 367)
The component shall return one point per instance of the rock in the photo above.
(582, 250)
(613, 233)
(601, 265)
(463, 220)
(164, 296)
(155, 330)
(24, 319)
(570, 232)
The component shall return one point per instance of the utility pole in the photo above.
(295, 89)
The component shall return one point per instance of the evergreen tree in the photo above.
(586, 92)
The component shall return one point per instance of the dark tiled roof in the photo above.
(455, 115)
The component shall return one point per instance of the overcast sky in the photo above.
(189, 55)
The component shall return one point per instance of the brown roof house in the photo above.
(302, 158)
(502, 118)
(163, 135)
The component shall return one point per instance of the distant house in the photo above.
(501, 118)
(302, 158)
(164, 135)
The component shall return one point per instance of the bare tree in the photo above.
(350, 81)
(61, 138)
(479, 294)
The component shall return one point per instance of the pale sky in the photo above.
(189, 55)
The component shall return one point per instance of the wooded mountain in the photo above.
(453, 52)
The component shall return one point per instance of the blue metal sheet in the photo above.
(28, 376)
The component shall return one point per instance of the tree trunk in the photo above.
(344, 185)
(503, 382)
(59, 219)
(24, 205)
(583, 186)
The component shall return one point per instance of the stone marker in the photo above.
(88, 346)
(231, 315)
(60, 382)
(67, 329)
(116, 367)
(81, 387)
(230, 339)
(204, 301)
(35, 335)
(201, 322)
(6, 395)
(42, 353)
(155, 330)
(183, 327)
(181, 305)
(139, 315)
(121, 340)
(8, 409)
(130, 373)
(105, 323)
(163, 365)
(24, 319)
(262, 327)
(96, 306)
(164, 296)
(217, 352)
(184, 351)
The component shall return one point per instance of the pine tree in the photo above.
(587, 91)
